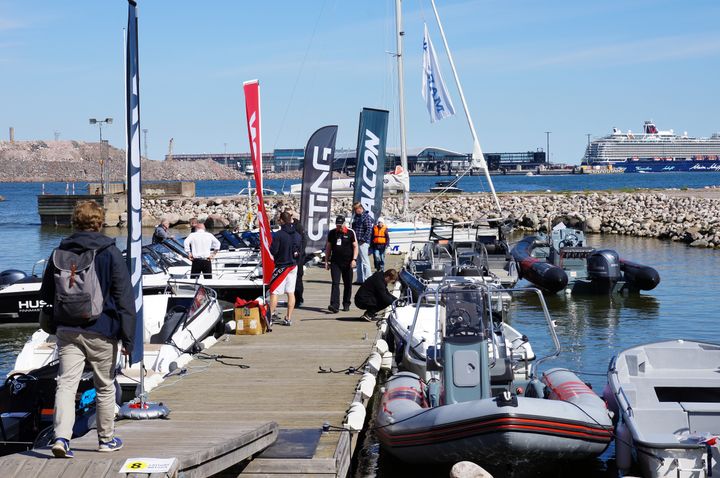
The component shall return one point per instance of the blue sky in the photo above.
(527, 67)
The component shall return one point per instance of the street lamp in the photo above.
(547, 149)
(103, 153)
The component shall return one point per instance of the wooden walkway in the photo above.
(228, 405)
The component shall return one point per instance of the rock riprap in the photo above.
(693, 220)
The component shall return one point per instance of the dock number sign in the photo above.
(147, 465)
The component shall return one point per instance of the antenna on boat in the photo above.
(477, 155)
(401, 100)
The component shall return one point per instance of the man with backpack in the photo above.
(88, 283)
(285, 249)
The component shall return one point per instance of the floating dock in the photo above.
(244, 394)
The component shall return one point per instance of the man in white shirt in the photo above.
(201, 247)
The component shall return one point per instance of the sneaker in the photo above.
(368, 317)
(275, 319)
(285, 321)
(112, 445)
(61, 449)
(333, 309)
(346, 308)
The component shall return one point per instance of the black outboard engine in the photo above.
(10, 276)
(604, 265)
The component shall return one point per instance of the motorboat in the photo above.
(468, 250)
(563, 260)
(666, 400)
(394, 182)
(235, 273)
(474, 407)
(27, 400)
(446, 187)
(175, 324)
(20, 295)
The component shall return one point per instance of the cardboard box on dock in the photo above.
(248, 321)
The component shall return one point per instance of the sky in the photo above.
(571, 68)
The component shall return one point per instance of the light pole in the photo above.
(145, 141)
(103, 152)
(547, 149)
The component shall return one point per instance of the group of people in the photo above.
(347, 249)
(93, 329)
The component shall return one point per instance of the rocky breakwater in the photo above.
(692, 219)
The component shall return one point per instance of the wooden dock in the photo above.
(235, 400)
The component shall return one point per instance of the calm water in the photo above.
(591, 330)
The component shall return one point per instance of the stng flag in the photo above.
(252, 111)
(436, 96)
(134, 207)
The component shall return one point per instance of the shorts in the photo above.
(285, 283)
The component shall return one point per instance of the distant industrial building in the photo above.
(427, 159)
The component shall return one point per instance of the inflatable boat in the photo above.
(475, 408)
(563, 260)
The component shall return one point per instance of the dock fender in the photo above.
(623, 447)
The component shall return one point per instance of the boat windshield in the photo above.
(169, 256)
(150, 264)
(465, 310)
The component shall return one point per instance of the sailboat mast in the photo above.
(477, 154)
(401, 99)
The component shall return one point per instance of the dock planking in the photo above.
(228, 404)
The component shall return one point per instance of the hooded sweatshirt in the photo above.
(286, 245)
(117, 320)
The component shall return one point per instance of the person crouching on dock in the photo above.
(373, 295)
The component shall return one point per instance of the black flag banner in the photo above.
(317, 187)
(370, 168)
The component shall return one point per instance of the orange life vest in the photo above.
(379, 237)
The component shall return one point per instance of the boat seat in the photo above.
(501, 373)
(172, 320)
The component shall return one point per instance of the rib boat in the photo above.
(475, 408)
(563, 260)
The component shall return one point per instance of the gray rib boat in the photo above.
(666, 399)
(474, 407)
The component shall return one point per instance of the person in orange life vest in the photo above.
(380, 240)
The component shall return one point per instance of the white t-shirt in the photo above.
(201, 244)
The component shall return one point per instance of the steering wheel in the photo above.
(16, 381)
(459, 323)
(570, 240)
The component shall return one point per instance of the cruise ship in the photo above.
(654, 151)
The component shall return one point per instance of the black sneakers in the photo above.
(333, 309)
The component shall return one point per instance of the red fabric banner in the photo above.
(252, 110)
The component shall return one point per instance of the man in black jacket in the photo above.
(299, 286)
(341, 252)
(285, 249)
(93, 340)
(373, 295)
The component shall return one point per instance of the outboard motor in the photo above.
(604, 264)
(10, 277)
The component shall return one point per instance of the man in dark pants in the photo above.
(299, 287)
(201, 247)
(341, 253)
(373, 295)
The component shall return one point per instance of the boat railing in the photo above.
(548, 320)
(41, 264)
